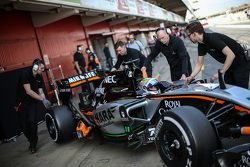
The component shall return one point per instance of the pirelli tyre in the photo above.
(185, 138)
(60, 123)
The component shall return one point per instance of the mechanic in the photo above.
(29, 95)
(94, 62)
(223, 49)
(136, 44)
(127, 54)
(80, 65)
(79, 60)
(175, 52)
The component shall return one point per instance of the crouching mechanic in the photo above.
(30, 94)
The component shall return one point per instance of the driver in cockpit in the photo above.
(149, 86)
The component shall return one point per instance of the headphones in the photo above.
(160, 28)
(79, 47)
(36, 64)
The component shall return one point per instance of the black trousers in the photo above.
(238, 75)
(28, 118)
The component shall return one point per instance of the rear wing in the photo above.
(81, 79)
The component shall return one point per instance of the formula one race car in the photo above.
(186, 122)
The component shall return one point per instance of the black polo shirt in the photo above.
(214, 43)
(175, 53)
(80, 59)
(35, 83)
(132, 54)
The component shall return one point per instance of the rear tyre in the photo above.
(60, 123)
(185, 138)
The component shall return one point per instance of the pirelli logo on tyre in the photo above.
(158, 127)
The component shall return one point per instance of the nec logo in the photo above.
(110, 79)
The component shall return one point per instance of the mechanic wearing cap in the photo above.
(222, 48)
(127, 54)
(175, 52)
(29, 95)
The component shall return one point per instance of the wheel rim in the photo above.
(172, 146)
(51, 127)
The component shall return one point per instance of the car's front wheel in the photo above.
(185, 138)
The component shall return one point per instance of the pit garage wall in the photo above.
(59, 40)
(18, 43)
(21, 43)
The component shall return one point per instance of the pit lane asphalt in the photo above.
(78, 153)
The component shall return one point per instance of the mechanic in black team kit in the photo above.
(175, 52)
(127, 54)
(79, 61)
(29, 95)
(222, 48)
(80, 65)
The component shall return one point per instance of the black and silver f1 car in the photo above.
(186, 122)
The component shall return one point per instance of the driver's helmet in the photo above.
(150, 86)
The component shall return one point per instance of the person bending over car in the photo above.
(175, 52)
(127, 54)
(29, 95)
(222, 48)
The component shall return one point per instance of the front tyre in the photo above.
(185, 138)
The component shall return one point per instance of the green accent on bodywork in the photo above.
(123, 134)
(140, 127)
(127, 129)
(75, 1)
(115, 135)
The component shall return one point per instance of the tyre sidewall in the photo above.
(187, 143)
(63, 122)
(50, 121)
(195, 133)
